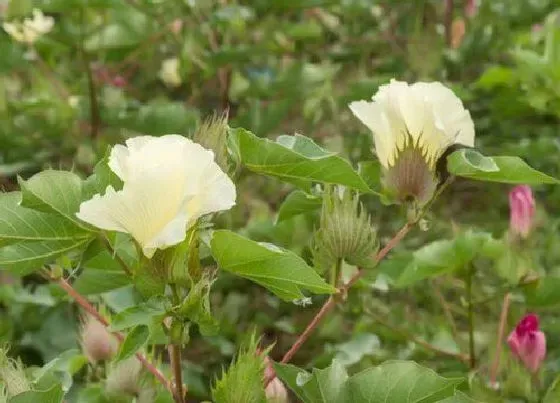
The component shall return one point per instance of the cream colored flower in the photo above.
(169, 183)
(412, 126)
(30, 29)
(169, 72)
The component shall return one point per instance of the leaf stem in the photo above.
(89, 308)
(116, 256)
(501, 331)
(470, 317)
(335, 272)
(174, 350)
(461, 357)
(446, 310)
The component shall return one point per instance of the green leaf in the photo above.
(141, 314)
(296, 203)
(544, 293)
(62, 367)
(553, 392)
(444, 256)
(281, 271)
(504, 169)
(101, 271)
(26, 257)
(134, 341)
(19, 224)
(196, 307)
(397, 382)
(371, 172)
(296, 160)
(460, 397)
(101, 178)
(322, 385)
(58, 192)
(52, 395)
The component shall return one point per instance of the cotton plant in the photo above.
(29, 30)
(150, 208)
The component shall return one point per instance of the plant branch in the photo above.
(468, 284)
(331, 302)
(501, 331)
(175, 360)
(446, 309)
(89, 308)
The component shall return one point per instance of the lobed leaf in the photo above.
(294, 159)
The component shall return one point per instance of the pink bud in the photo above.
(528, 343)
(470, 8)
(119, 82)
(97, 343)
(522, 210)
(275, 391)
(176, 26)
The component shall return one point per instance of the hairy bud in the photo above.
(124, 378)
(12, 375)
(97, 343)
(345, 231)
(212, 134)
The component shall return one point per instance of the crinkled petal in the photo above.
(151, 211)
(169, 182)
(373, 116)
(533, 350)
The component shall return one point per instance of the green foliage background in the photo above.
(285, 67)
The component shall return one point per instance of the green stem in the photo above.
(468, 280)
(335, 272)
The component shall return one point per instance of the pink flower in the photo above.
(528, 343)
(471, 8)
(522, 210)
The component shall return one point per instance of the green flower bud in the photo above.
(345, 232)
(212, 134)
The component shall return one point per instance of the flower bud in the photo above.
(345, 231)
(528, 343)
(212, 134)
(12, 375)
(522, 211)
(124, 378)
(97, 343)
(275, 391)
(470, 8)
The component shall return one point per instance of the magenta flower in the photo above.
(522, 210)
(528, 343)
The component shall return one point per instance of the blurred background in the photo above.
(111, 69)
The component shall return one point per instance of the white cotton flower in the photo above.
(412, 127)
(30, 29)
(169, 72)
(169, 183)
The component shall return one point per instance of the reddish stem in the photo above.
(84, 303)
(331, 302)
(501, 331)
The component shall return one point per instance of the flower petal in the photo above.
(169, 182)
